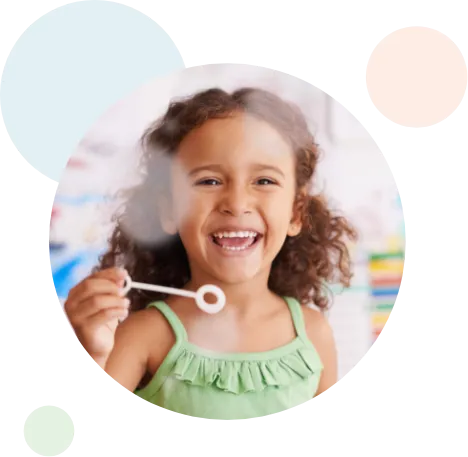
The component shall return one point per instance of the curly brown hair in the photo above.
(305, 264)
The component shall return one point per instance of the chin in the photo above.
(232, 277)
(234, 267)
(233, 280)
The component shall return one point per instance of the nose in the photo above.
(236, 201)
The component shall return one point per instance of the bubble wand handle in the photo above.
(198, 296)
(163, 289)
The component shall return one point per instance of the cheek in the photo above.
(278, 212)
(279, 225)
(190, 209)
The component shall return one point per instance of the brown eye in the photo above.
(208, 182)
(265, 181)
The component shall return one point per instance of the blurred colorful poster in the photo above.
(385, 272)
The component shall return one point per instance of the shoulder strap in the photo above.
(171, 317)
(297, 316)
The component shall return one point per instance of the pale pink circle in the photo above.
(416, 76)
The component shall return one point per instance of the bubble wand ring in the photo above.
(198, 296)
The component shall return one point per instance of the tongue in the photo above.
(234, 242)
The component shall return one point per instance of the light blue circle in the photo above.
(70, 66)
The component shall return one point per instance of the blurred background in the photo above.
(353, 175)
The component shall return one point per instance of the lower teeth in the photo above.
(229, 248)
(238, 248)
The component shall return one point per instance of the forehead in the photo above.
(238, 140)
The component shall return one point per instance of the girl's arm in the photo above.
(141, 344)
(321, 335)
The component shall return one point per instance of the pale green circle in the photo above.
(50, 430)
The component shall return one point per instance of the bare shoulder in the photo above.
(145, 320)
(148, 328)
(318, 328)
(141, 342)
(320, 334)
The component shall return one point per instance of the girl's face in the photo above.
(233, 188)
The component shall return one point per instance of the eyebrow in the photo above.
(219, 168)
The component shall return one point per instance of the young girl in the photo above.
(225, 200)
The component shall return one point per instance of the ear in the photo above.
(294, 228)
(166, 214)
(295, 225)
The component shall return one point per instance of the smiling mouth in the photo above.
(236, 241)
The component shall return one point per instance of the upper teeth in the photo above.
(234, 234)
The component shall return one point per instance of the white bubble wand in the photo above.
(198, 296)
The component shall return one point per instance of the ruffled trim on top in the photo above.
(246, 375)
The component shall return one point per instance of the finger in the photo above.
(95, 305)
(109, 317)
(90, 287)
(115, 274)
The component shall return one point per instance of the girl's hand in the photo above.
(94, 308)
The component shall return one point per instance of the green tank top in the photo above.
(203, 383)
